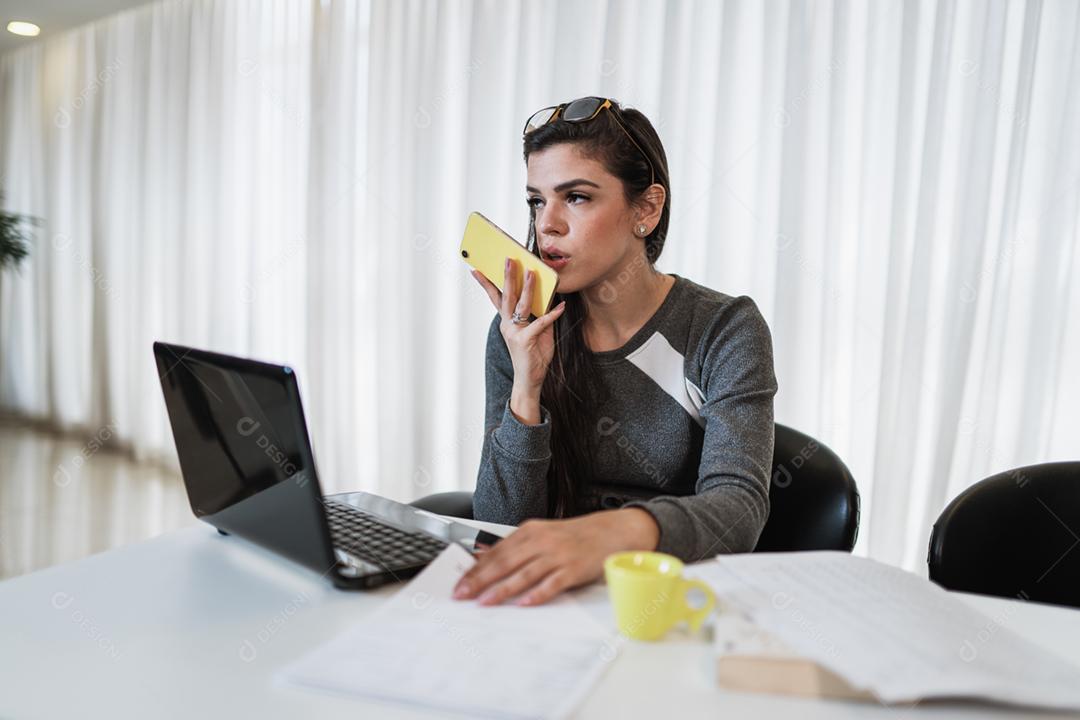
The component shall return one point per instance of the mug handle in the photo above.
(695, 617)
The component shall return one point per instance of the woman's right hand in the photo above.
(531, 346)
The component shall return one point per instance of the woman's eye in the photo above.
(576, 196)
(533, 201)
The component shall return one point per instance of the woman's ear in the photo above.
(650, 206)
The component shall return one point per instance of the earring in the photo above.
(642, 230)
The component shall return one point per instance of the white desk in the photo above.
(195, 624)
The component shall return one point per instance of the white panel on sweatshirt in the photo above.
(664, 364)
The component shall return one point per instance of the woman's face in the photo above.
(581, 215)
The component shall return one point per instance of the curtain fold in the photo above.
(895, 183)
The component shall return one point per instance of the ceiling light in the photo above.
(23, 28)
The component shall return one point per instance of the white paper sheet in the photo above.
(424, 648)
(888, 631)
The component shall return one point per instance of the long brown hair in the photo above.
(572, 388)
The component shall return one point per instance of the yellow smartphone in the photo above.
(486, 247)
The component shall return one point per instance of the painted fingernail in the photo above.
(461, 591)
(487, 598)
(527, 600)
(507, 264)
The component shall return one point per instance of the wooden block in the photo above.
(750, 660)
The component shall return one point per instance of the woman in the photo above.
(638, 413)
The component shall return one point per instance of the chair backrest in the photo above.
(813, 500)
(1015, 534)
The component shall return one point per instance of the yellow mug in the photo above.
(649, 593)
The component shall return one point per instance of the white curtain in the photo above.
(895, 183)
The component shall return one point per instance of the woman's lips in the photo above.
(556, 263)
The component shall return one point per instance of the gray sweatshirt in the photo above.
(686, 432)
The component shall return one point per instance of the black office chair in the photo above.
(814, 503)
(813, 500)
(455, 504)
(1015, 534)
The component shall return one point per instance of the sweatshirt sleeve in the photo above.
(731, 500)
(511, 485)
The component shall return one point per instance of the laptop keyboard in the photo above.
(382, 545)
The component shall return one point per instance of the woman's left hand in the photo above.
(542, 558)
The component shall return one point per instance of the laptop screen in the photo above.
(243, 449)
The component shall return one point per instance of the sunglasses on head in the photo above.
(583, 110)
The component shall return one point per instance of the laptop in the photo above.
(249, 471)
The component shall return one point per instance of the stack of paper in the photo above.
(424, 648)
(879, 632)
